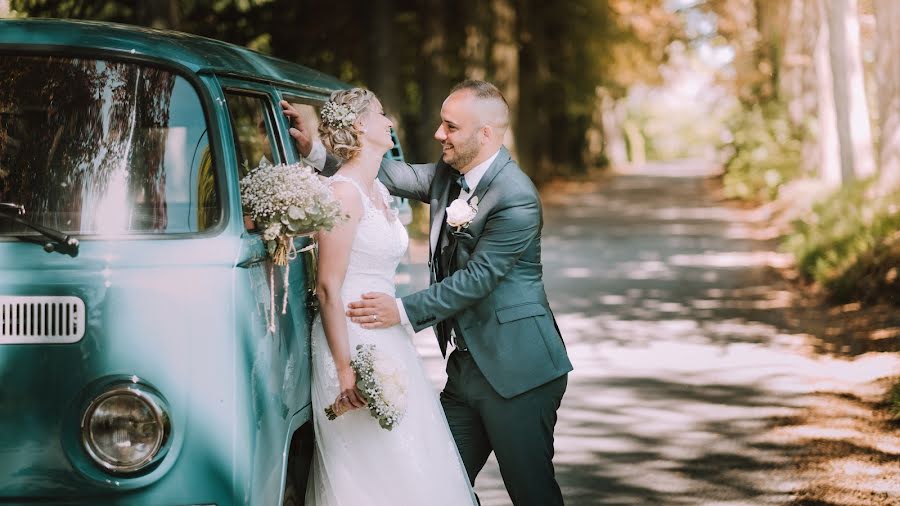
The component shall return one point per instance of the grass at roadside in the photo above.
(849, 243)
(892, 399)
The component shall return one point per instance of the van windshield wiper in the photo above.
(58, 241)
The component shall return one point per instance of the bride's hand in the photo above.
(350, 397)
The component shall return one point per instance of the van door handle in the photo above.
(311, 261)
(251, 261)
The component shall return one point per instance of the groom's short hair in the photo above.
(484, 90)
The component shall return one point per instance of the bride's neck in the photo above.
(364, 167)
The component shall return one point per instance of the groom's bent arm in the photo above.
(407, 180)
(508, 232)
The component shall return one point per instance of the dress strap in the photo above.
(385, 194)
(367, 202)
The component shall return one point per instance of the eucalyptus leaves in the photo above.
(288, 201)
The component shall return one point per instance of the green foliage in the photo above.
(893, 401)
(765, 153)
(850, 243)
(552, 55)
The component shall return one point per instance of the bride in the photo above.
(356, 461)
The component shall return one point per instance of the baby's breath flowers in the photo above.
(337, 115)
(287, 201)
(381, 382)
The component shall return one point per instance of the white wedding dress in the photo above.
(356, 462)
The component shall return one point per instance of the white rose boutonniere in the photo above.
(461, 213)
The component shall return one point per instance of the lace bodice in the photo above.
(378, 247)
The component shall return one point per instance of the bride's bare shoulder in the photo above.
(346, 193)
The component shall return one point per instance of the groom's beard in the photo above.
(463, 154)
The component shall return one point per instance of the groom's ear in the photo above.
(487, 133)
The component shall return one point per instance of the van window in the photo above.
(309, 109)
(95, 147)
(251, 122)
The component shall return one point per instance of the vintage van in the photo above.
(136, 367)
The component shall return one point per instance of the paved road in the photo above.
(674, 323)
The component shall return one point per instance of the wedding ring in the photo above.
(374, 317)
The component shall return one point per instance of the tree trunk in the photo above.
(798, 83)
(829, 148)
(593, 145)
(533, 122)
(477, 44)
(505, 62)
(772, 17)
(382, 78)
(434, 79)
(613, 136)
(852, 112)
(797, 62)
(887, 18)
(162, 14)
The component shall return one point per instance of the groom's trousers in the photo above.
(518, 430)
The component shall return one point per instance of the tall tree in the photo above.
(887, 18)
(854, 130)
(505, 60)
(798, 82)
(163, 14)
(829, 144)
(382, 75)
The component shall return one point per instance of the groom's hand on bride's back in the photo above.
(376, 310)
(302, 137)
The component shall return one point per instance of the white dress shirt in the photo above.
(473, 177)
(316, 156)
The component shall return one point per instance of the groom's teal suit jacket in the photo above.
(496, 294)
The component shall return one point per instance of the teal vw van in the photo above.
(136, 364)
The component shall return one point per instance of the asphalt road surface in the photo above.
(674, 322)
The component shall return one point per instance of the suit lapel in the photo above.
(439, 205)
(499, 162)
(442, 182)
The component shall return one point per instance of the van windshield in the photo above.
(94, 147)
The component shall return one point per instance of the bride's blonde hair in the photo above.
(338, 129)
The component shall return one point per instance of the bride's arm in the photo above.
(334, 257)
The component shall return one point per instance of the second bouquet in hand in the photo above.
(381, 382)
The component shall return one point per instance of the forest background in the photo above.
(798, 100)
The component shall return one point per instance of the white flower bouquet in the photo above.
(382, 383)
(288, 201)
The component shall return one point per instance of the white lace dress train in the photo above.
(356, 462)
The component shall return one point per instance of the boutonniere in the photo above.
(461, 213)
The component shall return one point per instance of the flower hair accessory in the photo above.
(337, 115)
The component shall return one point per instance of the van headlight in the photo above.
(125, 428)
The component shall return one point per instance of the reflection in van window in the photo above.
(251, 124)
(95, 147)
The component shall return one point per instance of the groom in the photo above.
(508, 372)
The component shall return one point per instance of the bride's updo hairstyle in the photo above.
(337, 130)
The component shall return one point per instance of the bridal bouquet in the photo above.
(382, 384)
(287, 201)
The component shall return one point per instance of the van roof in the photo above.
(199, 54)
